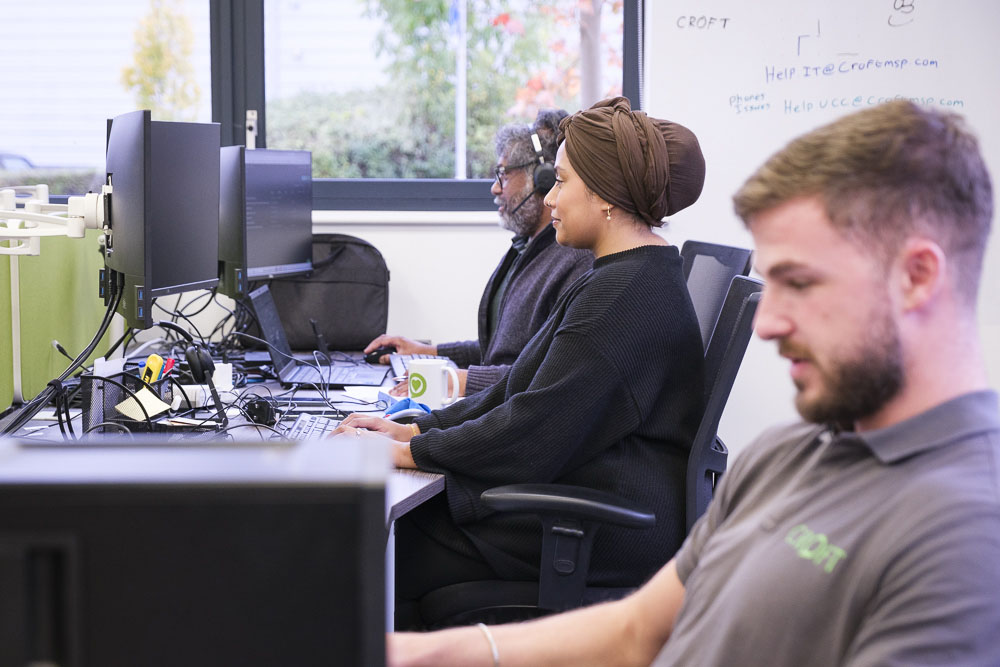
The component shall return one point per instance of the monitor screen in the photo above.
(155, 553)
(265, 216)
(164, 209)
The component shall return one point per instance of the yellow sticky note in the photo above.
(130, 407)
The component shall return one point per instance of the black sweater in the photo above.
(538, 279)
(607, 395)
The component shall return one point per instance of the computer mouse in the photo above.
(376, 354)
(406, 416)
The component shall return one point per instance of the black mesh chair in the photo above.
(571, 515)
(708, 270)
(728, 343)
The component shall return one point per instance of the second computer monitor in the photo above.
(265, 216)
(163, 211)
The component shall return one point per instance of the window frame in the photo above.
(237, 35)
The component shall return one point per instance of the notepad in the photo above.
(132, 407)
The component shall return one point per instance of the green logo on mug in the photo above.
(418, 385)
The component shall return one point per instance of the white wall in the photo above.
(438, 265)
(707, 53)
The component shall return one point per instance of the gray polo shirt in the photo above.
(874, 549)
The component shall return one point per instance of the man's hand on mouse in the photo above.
(402, 344)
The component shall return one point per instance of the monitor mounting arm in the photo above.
(21, 228)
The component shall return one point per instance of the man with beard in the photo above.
(535, 271)
(870, 533)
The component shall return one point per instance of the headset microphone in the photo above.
(523, 202)
(543, 177)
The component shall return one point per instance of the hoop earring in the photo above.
(609, 213)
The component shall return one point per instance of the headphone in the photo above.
(200, 364)
(544, 175)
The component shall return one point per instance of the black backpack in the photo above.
(347, 293)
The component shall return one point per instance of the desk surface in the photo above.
(405, 489)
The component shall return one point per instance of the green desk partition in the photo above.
(58, 300)
(6, 352)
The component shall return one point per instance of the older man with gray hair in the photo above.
(531, 276)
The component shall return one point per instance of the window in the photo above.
(342, 58)
(87, 62)
(370, 86)
(402, 89)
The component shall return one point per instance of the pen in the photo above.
(167, 367)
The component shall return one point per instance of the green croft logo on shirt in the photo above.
(814, 546)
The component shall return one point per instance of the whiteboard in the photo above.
(747, 77)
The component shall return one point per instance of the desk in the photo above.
(404, 489)
(407, 489)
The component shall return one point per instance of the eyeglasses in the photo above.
(501, 172)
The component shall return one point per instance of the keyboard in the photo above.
(309, 427)
(401, 362)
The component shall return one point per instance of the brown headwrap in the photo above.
(649, 167)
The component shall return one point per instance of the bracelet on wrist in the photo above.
(493, 645)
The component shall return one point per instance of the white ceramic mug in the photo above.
(428, 382)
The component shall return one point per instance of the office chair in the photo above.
(571, 515)
(708, 270)
(707, 460)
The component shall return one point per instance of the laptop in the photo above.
(291, 371)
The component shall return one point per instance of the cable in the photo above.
(252, 425)
(137, 352)
(208, 302)
(173, 326)
(31, 408)
(60, 349)
(106, 424)
(111, 350)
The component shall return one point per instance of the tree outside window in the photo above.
(519, 56)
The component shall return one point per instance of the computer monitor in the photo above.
(164, 210)
(265, 216)
(152, 553)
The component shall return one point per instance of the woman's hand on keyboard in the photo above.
(400, 434)
(362, 422)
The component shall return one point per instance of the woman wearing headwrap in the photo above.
(607, 395)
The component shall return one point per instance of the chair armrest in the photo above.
(570, 516)
(570, 502)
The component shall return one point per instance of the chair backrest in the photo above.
(723, 357)
(708, 270)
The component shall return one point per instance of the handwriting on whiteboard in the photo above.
(840, 68)
(902, 13)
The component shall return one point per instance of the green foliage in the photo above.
(373, 134)
(60, 181)
(161, 75)
(406, 129)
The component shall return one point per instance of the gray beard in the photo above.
(524, 221)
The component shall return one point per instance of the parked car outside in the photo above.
(17, 169)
